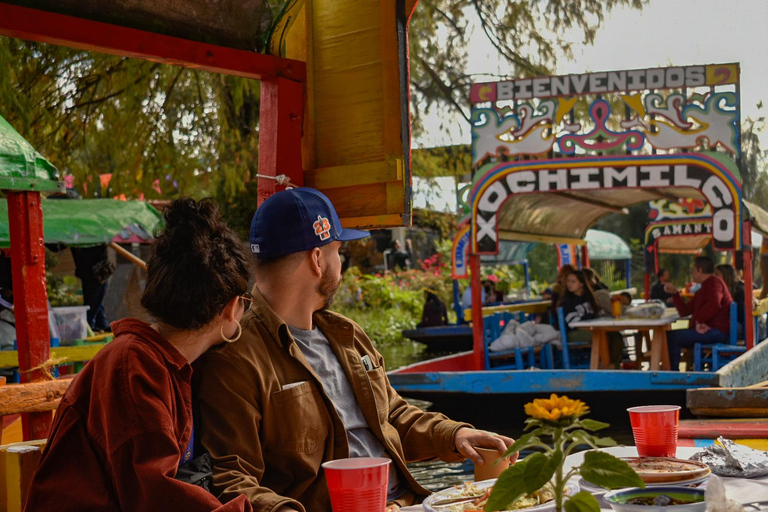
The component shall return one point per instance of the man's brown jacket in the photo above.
(269, 425)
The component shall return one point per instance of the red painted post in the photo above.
(584, 256)
(749, 322)
(647, 293)
(25, 217)
(478, 332)
(281, 119)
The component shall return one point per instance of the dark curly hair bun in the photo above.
(197, 265)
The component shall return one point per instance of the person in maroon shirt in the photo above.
(125, 424)
(709, 310)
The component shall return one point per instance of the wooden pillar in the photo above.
(584, 256)
(478, 334)
(281, 113)
(749, 323)
(25, 217)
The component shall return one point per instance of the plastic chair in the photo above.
(516, 358)
(566, 349)
(720, 352)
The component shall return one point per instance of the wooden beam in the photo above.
(58, 29)
(18, 462)
(74, 354)
(514, 236)
(25, 216)
(129, 256)
(592, 202)
(32, 397)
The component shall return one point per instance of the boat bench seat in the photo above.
(516, 358)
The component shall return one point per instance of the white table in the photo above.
(742, 490)
(601, 326)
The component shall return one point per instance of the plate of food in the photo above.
(598, 490)
(472, 496)
(657, 470)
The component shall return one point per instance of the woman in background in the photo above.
(125, 424)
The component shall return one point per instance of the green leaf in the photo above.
(605, 441)
(581, 437)
(582, 502)
(603, 469)
(525, 441)
(527, 476)
(593, 425)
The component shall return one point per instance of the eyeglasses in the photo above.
(247, 301)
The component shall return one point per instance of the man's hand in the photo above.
(467, 439)
(702, 328)
(670, 288)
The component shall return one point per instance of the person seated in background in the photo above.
(736, 288)
(434, 313)
(492, 296)
(402, 259)
(466, 299)
(657, 290)
(124, 427)
(626, 299)
(578, 303)
(603, 299)
(594, 278)
(558, 289)
(709, 310)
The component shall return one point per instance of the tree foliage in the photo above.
(159, 130)
(527, 35)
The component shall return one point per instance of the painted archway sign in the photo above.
(711, 174)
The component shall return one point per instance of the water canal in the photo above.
(439, 475)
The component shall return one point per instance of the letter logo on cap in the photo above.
(255, 248)
(322, 228)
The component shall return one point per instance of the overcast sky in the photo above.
(664, 33)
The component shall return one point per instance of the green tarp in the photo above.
(90, 221)
(603, 245)
(21, 166)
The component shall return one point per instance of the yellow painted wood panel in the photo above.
(355, 174)
(10, 358)
(18, 462)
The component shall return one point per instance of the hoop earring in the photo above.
(239, 333)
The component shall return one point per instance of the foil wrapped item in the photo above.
(731, 459)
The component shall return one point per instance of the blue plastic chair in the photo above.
(516, 358)
(567, 346)
(720, 353)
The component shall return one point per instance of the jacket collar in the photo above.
(331, 324)
(135, 327)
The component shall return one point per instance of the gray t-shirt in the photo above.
(362, 442)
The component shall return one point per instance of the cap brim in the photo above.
(348, 235)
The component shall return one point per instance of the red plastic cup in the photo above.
(655, 429)
(358, 484)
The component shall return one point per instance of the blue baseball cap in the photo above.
(297, 220)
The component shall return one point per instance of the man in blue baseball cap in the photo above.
(303, 385)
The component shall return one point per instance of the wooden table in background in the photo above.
(600, 328)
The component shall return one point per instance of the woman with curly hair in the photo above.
(125, 424)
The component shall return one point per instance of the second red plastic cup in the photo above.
(655, 429)
(358, 484)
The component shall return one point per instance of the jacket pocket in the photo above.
(378, 380)
(301, 415)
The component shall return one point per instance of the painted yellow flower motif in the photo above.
(555, 408)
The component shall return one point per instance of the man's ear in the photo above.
(316, 259)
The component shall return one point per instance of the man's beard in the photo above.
(327, 288)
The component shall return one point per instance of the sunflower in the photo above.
(556, 408)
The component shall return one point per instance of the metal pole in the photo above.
(478, 332)
(749, 324)
(25, 219)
